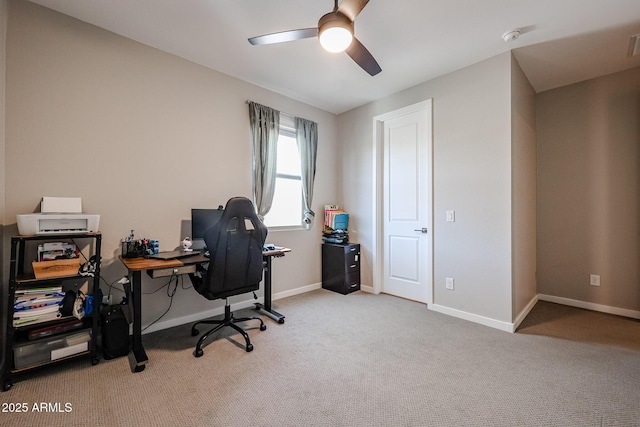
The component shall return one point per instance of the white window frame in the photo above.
(287, 128)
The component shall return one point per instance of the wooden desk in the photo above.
(162, 268)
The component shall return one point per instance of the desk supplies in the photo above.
(336, 224)
(33, 306)
(186, 244)
(56, 268)
(37, 302)
(57, 250)
(36, 315)
(65, 326)
(134, 248)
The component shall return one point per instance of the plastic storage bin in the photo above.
(31, 354)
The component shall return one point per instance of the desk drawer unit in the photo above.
(341, 267)
(170, 271)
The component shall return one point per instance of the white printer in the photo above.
(58, 215)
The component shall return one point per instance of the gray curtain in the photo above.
(265, 126)
(307, 139)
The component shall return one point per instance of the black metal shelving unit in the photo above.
(54, 345)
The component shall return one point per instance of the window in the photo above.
(286, 208)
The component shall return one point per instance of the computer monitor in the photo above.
(201, 221)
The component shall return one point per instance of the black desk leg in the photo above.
(137, 357)
(266, 308)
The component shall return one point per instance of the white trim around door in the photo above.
(378, 188)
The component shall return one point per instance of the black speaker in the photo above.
(115, 332)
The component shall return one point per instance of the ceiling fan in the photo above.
(335, 31)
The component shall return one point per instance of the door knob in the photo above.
(422, 230)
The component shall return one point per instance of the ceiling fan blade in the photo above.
(352, 8)
(284, 36)
(363, 57)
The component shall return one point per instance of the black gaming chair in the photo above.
(235, 267)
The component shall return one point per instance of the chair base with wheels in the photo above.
(228, 320)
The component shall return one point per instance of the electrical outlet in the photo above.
(449, 283)
(594, 280)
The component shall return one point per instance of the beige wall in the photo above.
(588, 190)
(523, 192)
(472, 175)
(142, 136)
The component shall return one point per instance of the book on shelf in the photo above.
(37, 300)
(40, 290)
(335, 218)
(67, 325)
(36, 315)
(28, 297)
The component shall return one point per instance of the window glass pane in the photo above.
(288, 157)
(286, 209)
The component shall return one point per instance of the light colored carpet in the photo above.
(360, 360)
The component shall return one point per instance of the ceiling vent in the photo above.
(634, 46)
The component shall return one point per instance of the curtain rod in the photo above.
(288, 114)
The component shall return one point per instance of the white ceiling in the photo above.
(562, 41)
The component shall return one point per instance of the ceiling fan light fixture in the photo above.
(335, 32)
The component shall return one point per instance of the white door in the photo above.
(407, 200)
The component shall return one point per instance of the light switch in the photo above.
(451, 216)
(448, 281)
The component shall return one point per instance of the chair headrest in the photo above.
(239, 206)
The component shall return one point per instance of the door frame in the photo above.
(378, 188)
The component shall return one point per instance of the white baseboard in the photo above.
(511, 327)
(191, 318)
(634, 314)
(296, 291)
(170, 323)
(524, 313)
(366, 288)
(486, 321)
